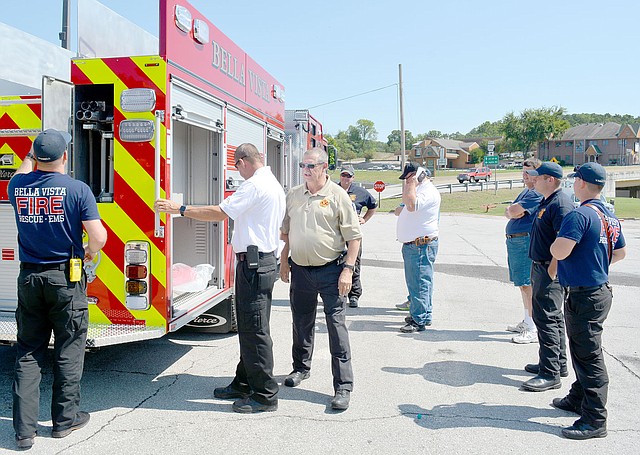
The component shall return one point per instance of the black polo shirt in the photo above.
(360, 198)
(546, 224)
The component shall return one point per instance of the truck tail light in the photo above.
(137, 283)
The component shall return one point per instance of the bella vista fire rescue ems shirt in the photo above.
(588, 263)
(50, 208)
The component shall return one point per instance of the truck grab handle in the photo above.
(159, 229)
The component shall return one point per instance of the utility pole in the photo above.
(402, 138)
(64, 34)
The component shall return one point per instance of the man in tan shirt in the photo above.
(318, 222)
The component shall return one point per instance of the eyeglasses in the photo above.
(346, 175)
(239, 159)
(309, 165)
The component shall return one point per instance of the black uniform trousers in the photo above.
(48, 302)
(585, 312)
(356, 286)
(548, 296)
(254, 288)
(306, 284)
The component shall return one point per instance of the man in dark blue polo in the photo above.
(590, 239)
(547, 292)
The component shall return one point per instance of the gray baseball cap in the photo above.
(50, 145)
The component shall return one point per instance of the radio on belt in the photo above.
(252, 256)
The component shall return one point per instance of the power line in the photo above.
(354, 96)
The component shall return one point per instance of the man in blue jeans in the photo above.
(417, 229)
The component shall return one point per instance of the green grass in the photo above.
(627, 207)
(474, 202)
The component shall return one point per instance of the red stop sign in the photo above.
(379, 186)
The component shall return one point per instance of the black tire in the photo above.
(461, 181)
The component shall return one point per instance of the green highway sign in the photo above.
(493, 159)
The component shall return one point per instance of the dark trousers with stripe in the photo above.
(585, 312)
(306, 284)
(254, 288)
(548, 296)
(49, 303)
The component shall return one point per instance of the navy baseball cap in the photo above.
(409, 168)
(591, 172)
(50, 145)
(547, 168)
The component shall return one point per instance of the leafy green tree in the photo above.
(395, 137)
(342, 144)
(366, 132)
(486, 129)
(531, 126)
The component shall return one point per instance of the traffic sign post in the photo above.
(379, 187)
(493, 160)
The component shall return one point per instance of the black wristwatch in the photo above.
(350, 267)
(183, 208)
(31, 155)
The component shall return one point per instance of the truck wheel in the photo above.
(461, 181)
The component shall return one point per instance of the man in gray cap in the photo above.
(548, 295)
(360, 198)
(51, 211)
(417, 230)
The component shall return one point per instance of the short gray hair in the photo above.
(320, 154)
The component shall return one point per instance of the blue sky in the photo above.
(464, 61)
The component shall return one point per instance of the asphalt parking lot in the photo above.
(451, 389)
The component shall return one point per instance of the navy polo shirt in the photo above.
(529, 199)
(361, 198)
(588, 263)
(546, 224)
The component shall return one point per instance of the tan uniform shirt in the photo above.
(318, 225)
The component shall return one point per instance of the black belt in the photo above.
(338, 260)
(542, 262)
(243, 256)
(585, 288)
(519, 234)
(43, 267)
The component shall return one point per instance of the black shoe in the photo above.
(581, 430)
(566, 405)
(353, 302)
(295, 378)
(535, 369)
(341, 400)
(249, 405)
(82, 418)
(229, 392)
(540, 384)
(25, 442)
(409, 319)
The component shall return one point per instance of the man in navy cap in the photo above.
(417, 230)
(51, 211)
(548, 295)
(590, 239)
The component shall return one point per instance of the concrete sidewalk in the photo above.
(451, 389)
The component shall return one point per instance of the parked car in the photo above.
(475, 175)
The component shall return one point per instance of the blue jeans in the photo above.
(418, 273)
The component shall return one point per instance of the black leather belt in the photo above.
(542, 262)
(243, 256)
(519, 234)
(585, 288)
(43, 267)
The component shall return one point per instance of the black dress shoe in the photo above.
(566, 405)
(540, 384)
(249, 405)
(353, 302)
(341, 399)
(82, 418)
(581, 430)
(25, 442)
(229, 392)
(535, 369)
(295, 378)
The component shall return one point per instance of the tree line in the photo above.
(516, 131)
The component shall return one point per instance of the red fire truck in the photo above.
(149, 125)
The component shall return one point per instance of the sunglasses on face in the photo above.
(309, 165)
(346, 175)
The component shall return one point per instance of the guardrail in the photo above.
(480, 186)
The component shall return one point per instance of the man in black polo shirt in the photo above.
(547, 292)
(360, 199)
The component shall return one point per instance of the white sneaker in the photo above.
(518, 328)
(528, 336)
(404, 306)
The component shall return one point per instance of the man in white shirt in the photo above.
(257, 208)
(417, 230)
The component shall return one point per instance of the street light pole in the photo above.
(64, 34)
(402, 139)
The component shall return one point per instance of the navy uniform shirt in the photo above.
(588, 263)
(361, 198)
(546, 224)
(529, 199)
